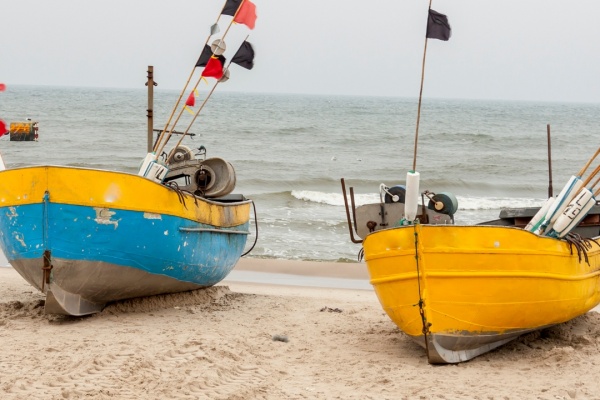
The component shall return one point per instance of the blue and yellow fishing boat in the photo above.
(86, 237)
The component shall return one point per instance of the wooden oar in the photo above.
(577, 209)
(591, 176)
(570, 190)
(585, 167)
(539, 216)
(574, 213)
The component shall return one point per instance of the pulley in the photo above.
(180, 153)
(443, 203)
(395, 194)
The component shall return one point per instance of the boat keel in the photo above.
(61, 302)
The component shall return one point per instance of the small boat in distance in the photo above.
(86, 237)
(24, 131)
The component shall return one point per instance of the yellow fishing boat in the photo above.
(463, 290)
(460, 291)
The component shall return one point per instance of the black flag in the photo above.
(244, 57)
(231, 7)
(438, 26)
(205, 56)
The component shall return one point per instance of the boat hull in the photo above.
(461, 291)
(87, 237)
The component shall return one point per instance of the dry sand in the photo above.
(253, 341)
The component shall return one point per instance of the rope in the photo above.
(256, 230)
(46, 268)
(582, 245)
(175, 187)
(181, 196)
(421, 302)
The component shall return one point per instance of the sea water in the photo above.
(290, 151)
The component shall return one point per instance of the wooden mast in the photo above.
(150, 83)
(414, 166)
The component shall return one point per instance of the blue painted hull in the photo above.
(152, 243)
(105, 255)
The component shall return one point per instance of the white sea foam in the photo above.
(464, 202)
(495, 203)
(332, 199)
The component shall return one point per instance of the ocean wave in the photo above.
(464, 202)
(496, 203)
(332, 199)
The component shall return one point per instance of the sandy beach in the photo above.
(241, 340)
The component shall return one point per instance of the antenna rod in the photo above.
(414, 168)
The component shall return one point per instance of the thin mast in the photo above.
(225, 72)
(549, 163)
(414, 167)
(158, 147)
(150, 110)
(162, 134)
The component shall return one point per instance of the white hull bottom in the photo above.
(449, 349)
(85, 287)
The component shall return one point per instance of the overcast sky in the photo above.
(505, 49)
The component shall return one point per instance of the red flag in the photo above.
(2, 87)
(246, 14)
(3, 129)
(213, 68)
(191, 100)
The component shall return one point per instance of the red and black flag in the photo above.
(243, 10)
(214, 68)
(438, 26)
(206, 55)
(244, 57)
(231, 7)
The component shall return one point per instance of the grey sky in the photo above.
(509, 49)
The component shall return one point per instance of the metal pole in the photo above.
(150, 85)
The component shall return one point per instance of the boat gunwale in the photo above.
(213, 201)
